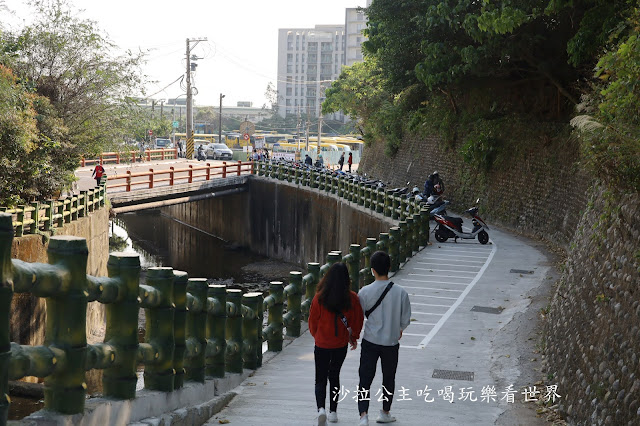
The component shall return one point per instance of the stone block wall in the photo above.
(542, 194)
(593, 326)
(592, 330)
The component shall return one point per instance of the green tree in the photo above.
(68, 60)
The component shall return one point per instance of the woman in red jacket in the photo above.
(335, 320)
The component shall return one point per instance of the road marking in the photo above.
(425, 313)
(444, 270)
(411, 334)
(430, 281)
(449, 264)
(430, 304)
(434, 297)
(444, 276)
(447, 314)
(437, 289)
(457, 256)
(421, 323)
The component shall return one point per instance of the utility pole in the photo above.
(162, 109)
(308, 129)
(190, 96)
(319, 131)
(298, 129)
(220, 120)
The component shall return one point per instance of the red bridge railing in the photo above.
(183, 175)
(131, 156)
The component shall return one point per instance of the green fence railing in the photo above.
(193, 332)
(40, 217)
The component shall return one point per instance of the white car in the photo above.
(218, 151)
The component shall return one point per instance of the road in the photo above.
(453, 347)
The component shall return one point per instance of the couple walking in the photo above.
(335, 321)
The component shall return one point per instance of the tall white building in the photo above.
(308, 61)
(355, 21)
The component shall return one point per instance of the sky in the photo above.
(240, 54)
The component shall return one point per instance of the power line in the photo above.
(163, 89)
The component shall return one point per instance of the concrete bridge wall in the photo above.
(283, 221)
(28, 312)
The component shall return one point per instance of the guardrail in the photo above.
(39, 217)
(194, 331)
(131, 156)
(173, 176)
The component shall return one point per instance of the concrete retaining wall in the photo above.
(284, 221)
(28, 312)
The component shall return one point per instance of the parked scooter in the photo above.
(451, 227)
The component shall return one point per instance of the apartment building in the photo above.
(309, 59)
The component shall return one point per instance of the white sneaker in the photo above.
(364, 421)
(322, 417)
(385, 418)
(332, 417)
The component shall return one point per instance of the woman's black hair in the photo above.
(334, 288)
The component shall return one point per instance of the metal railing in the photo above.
(131, 156)
(173, 175)
(194, 331)
(39, 217)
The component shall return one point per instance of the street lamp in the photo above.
(220, 122)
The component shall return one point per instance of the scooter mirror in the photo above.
(477, 201)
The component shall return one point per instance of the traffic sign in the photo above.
(246, 136)
(150, 132)
(247, 127)
(176, 124)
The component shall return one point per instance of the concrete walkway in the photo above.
(451, 349)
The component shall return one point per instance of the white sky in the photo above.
(240, 56)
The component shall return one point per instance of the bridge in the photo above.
(466, 299)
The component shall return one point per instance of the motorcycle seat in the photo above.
(457, 221)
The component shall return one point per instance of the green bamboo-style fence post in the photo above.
(74, 208)
(380, 205)
(180, 279)
(35, 217)
(409, 237)
(383, 242)
(367, 196)
(321, 181)
(365, 273)
(196, 329)
(402, 240)
(233, 353)
(279, 175)
(103, 193)
(119, 380)
(6, 294)
(353, 265)
(215, 330)
(312, 179)
(395, 206)
(424, 228)
(60, 212)
(159, 374)
(251, 329)
(20, 220)
(49, 212)
(294, 299)
(65, 389)
(290, 174)
(387, 203)
(310, 282)
(273, 331)
(334, 184)
(340, 191)
(417, 226)
(394, 248)
(361, 194)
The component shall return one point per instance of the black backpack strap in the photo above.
(384, 293)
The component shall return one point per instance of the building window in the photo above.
(288, 102)
(313, 47)
(288, 91)
(289, 58)
(289, 45)
(311, 92)
(325, 58)
(326, 47)
(313, 58)
(289, 68)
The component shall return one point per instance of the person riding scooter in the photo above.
(433, 185)
(201, 156)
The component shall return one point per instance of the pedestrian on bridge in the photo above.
(335, 321)
(350, 161)
(388, 311)
(98, 172)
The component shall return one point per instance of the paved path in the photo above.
(445, 282)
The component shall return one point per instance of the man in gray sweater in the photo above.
(388, 311)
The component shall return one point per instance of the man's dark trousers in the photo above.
(369, 354)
